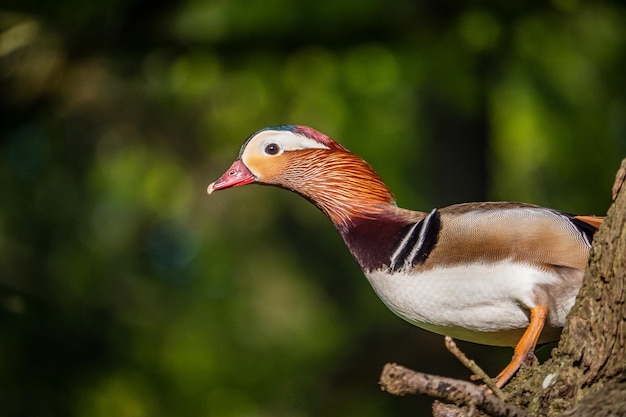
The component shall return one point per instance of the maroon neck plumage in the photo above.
(353, 197)
(340, 183)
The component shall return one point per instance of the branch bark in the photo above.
(586, 375)
(399, 380)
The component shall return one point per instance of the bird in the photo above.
(493, 273)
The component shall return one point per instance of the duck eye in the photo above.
(272, 149)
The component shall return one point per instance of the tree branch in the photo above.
(399, 380)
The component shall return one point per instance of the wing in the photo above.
(492, 232)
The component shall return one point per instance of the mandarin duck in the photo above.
(495, 273)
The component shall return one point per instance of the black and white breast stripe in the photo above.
(416, 243)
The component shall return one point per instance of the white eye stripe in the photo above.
(256, 155)
(286, 141)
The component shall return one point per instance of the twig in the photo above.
(399, 380)
(473, 367)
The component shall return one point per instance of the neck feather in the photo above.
(340, 183)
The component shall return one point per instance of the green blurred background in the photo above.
(126, 291)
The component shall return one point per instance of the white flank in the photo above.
(480, 303)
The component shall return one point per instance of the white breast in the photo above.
(480, 303)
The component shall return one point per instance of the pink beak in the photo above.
(237, 174)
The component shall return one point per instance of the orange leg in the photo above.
(525, 348)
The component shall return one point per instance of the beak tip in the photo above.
(238, 174)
